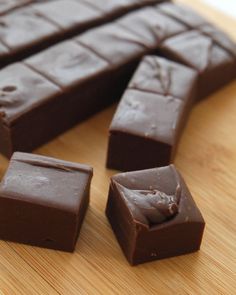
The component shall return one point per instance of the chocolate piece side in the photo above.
(37, 208)
(147, 243)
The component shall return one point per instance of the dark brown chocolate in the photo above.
(150, 118)
(153, 215)
(37, 208)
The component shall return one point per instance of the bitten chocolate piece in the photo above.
(43, 201)
(150, 118)
(208, 51)
(153, 215)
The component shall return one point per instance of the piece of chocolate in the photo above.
(183, 14)
(153, 215)
(151, 116)
(208, 53)
(49, 22)
(13, 28)
(152, 25)
(70, 15)
(8, 5)
(43, 201)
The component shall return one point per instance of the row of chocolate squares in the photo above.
(43, 202)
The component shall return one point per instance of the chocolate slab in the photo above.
(153, 215)
(214, 63)
(91, 74)
(49, 22)
(150, 118)
(37, 208)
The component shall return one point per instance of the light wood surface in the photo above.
(207, 160)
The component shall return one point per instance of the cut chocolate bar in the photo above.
(151, 115)
(43, 201)
(49, 22)
(210, 53)
(153, 215)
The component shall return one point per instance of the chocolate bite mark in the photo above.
(151, 207)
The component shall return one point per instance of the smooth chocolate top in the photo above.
(165, 182)
(148, 115)
(21, 89)
(162, 76)
(67, 64)
(150, 206)
(45, 181)
(24, 28)
(7, 5)
(196, 50)
(114, 44)
(182, 14)
(151, 25)
(67, 13)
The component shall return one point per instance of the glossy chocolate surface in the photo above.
(37, 207)
(162, 223)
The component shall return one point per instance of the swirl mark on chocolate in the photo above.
(151, 207)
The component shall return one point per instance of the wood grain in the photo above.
(207, 159)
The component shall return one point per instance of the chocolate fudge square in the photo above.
(209, 53)
(153, 215)
(43, 201)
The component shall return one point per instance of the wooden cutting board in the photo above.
(206, 158)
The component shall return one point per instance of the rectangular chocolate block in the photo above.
(49, 22)
(153, 215)
(37, 208)
(151, 116)
(209, 52)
